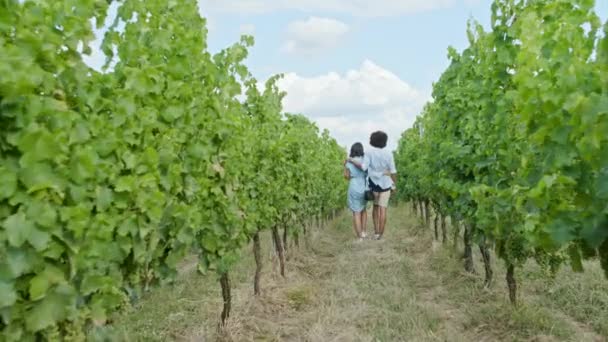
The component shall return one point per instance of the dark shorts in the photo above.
(375, 188)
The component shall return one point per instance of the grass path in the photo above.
(403, 288)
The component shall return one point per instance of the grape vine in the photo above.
(109, 180)
(514, 143)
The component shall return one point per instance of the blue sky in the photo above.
(413, 46)
(352, 66)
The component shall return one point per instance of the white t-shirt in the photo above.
(376, 162)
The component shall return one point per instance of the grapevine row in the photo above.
(514, 145)
(108, 181)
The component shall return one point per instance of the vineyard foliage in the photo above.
(109, 180)
(514, 143)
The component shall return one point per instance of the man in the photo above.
(382, 174)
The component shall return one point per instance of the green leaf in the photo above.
(37, 144)
(8, 295)
(80, 133)
(18, 229)
(83, 164)
(39, 239)
(130, 160)
(172, 113)
(105, 196)
(210, 243)
(41, 176)
(12, 332)
(51, 309)
(8, 183)
(128, 227)
(98, 313)
(125, 183)
(18, 262)
(92, 283)
(126, 105)
(38, 286)
(43, 214)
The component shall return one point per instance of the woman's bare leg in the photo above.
(357, 224)
(375, 219)
(381, 219)
(364, 222)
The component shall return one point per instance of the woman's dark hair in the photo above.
(356, 150)
(378, 139)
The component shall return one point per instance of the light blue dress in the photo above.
(356, 188)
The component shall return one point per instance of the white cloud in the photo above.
(353, 105)
(376, 8)
(314, 35)
(248, 29)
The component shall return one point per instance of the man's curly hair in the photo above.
(378, 139)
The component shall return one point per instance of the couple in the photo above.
(374, 170)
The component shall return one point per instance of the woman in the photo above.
(380, 166)
(356, 190)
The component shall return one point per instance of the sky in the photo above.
(352, 66)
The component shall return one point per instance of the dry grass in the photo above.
(403, 288)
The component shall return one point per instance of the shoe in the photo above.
(363, 235)
(376, 236)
